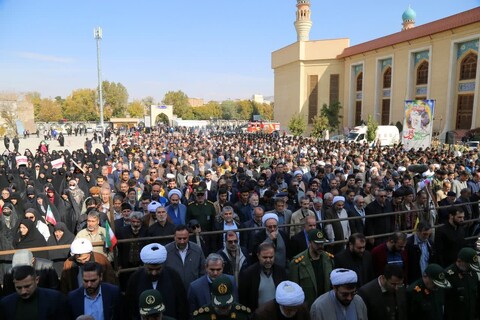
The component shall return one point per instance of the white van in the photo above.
(388, 135)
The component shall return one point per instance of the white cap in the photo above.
(338, 198)
(340, 277)
(22, 257)
(152, 207)
(175, 191)
(81, 246)
(267, 216)
(153, 253)
(289, 294)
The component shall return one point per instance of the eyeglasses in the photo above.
(30, 217)
(153, 172)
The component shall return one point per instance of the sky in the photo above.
(215, 50)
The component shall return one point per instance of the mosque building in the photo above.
(437, 60)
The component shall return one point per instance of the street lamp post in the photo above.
(97, 33)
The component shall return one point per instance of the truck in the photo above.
(263, 127)
(387, 135)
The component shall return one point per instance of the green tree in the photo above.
(162, 118)
(320, 124)
(147, 102)
(265, 110)
(115, 95)
(297, 124)
(179, 101)
(372, 126)
(332, 113)
(50, 110)
(10, 121)
(135, 109)
(208, 111)
(81, 106)
(228, 110)
(245, 109)
(34, 98)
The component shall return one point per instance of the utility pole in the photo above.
(97, 33)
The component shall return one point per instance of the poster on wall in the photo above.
(418, 124)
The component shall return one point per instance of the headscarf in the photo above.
(32, 239)
(60, 255)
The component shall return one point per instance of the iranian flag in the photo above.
(50, 217)
(111, 239)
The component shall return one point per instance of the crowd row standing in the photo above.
(293, 197)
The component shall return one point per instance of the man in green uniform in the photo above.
(201, 209)
(425, 296)
(151, 306)
(222, 305)
(461, 300)
(311, 268)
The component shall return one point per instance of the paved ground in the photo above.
(71, 143)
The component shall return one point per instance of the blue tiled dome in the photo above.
(409, 15)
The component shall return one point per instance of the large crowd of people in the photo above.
(195, 224)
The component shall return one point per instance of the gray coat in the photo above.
(324, 308)
(193, 267)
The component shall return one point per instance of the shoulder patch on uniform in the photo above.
(299, 259)
(329, 255)
(249, 310)
(195, 312)
(450, 272)
(208, 201)
(191, 202)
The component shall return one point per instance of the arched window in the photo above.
(387, 78)
(360, 81)
(422, 73)
(468, 67)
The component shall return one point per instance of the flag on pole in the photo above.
(111, 239)
(50, 217)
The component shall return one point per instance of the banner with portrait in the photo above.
(418, 124)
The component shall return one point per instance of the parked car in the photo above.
(472, 145)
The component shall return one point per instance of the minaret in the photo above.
(408, 18)
(303, 24)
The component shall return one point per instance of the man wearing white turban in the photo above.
(342, 302)
(289, 303)
(155, 275)
(176, 210)
(340, 230)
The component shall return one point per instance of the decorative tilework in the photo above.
(465, 46)
(386, 93)
(421, 91)
(357, 69)
(466, 86)
(421, 55)
(386, 63)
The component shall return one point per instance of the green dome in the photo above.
(409, 15)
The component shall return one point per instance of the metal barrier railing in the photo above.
(241, 230)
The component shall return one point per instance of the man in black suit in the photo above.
(356, 258)
(259, 274)
(156, 275)
(30, 301)
(385, 296)
(299, 242)
(420, 251)
(84, 300)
